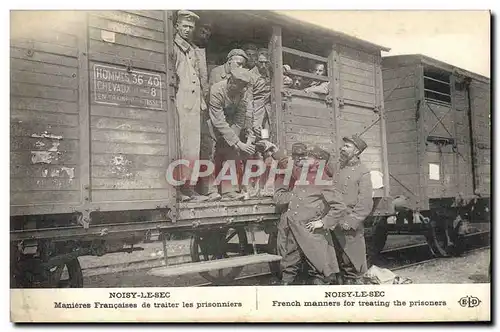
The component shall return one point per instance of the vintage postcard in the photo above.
(250, 166)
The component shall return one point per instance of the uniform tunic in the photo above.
(226, 119)
(354, 182)
(305, 203)
(189, 98)
(259, 106)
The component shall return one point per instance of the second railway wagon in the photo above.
(439, 149)
(94, 126)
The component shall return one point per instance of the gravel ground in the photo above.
(471, 268)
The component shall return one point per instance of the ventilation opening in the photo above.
(437, 86)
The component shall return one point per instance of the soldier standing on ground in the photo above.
(354, 181)
(189, 96)
(300, 238)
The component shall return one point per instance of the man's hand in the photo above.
(312, 225)
(258, 133)
(247, 148)
(266, 147)
(345, 226)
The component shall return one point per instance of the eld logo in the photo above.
(469, 302)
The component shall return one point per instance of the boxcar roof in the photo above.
(293, 23)
(396, 60)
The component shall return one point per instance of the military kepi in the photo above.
(187, 15)
(357, 141)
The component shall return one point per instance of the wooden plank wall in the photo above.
(358, 92)
(307, 119)
(44, 120)
(129, 139)
(400, 107)
(465, 178)
(481, 110)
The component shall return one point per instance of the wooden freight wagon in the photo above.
(93, 128)
(439, 146)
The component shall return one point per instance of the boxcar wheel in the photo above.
(68, 275)
(214, 245)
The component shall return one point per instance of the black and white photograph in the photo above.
(225, 148)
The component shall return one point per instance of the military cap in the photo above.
(357, 141)
(238, 52)
(187, 15)
(241, 74)
(299, 149)
(317, 152)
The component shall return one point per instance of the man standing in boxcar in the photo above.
(227, 111)
(189, 97)
(354, 181)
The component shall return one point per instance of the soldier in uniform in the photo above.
(227, 110)
(236, 58)
(189, 96)
(354, 181)
(304, 228)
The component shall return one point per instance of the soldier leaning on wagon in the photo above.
(189, 96)
(227, 110)
(299, 236)
(236, 58)
(353, 179)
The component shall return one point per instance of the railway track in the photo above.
(393, 258)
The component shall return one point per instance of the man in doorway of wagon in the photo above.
(236, 58)
(354, 181)
(189, 97)
(319, 87)
(258, 113)
(251, 51)
(312, 209)
(227, 110)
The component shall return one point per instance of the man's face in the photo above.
(348, 151)
(319, 69)
(236, 61)
(185, 29)
(252, 57)
(263, 63)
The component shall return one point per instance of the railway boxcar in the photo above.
(94, 126)
(438, 141)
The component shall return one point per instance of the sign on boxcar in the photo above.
(122, 87)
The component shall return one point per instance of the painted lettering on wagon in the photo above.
(118, 86)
